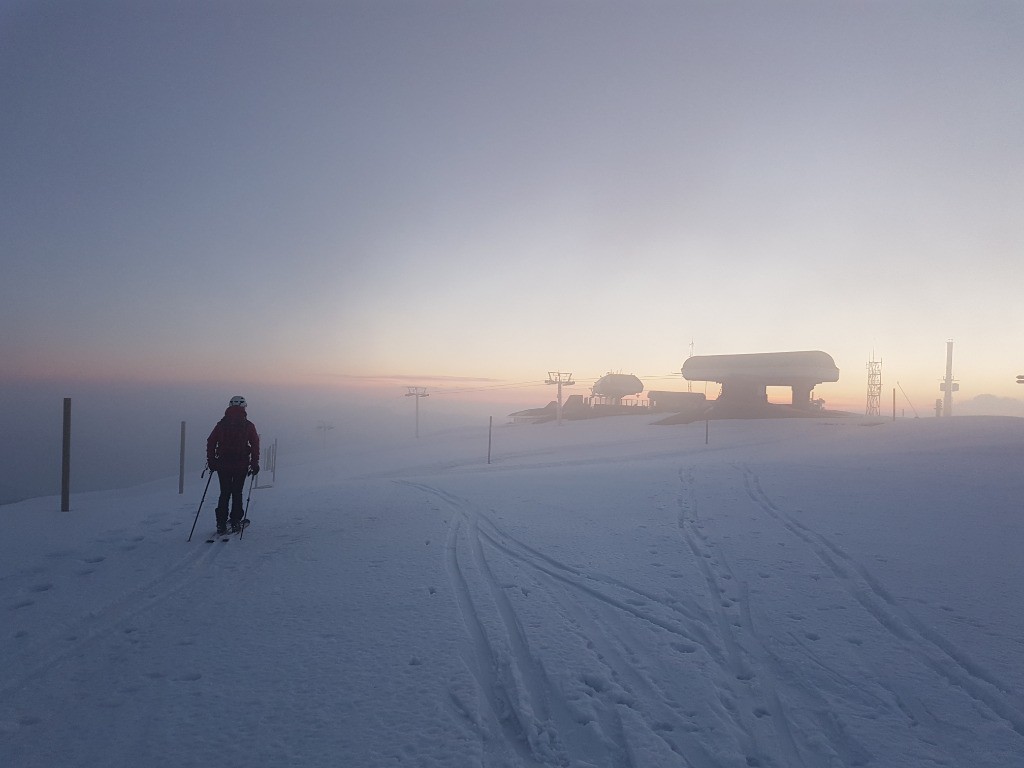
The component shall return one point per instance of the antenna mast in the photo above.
(948, 385)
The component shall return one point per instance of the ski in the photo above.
(229, 533)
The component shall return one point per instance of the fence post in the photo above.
(65, 463)
(181, 462)
(269, 464)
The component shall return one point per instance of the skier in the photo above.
(233, 451)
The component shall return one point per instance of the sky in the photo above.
(365, 196)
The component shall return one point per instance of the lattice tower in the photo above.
(874, 387)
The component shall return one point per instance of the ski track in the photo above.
(633, 694)
(772, 693)
(46, 655)
(758, 713)
(927, 645)
(501, 664)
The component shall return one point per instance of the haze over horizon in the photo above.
(353, 197)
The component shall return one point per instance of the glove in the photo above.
(254, 469)
(213, 464)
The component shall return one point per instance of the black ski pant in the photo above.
(231, 485)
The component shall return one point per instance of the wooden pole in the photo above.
(181, 462)
(65, 464)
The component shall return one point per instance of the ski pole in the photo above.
(245, 512)
(200, 502)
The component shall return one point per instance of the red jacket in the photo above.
(233, 445)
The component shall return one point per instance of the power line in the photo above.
(512, 385)
(538, 383)
(490, 387)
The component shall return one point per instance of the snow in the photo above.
(821, 592)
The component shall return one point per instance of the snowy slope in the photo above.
(605, 593)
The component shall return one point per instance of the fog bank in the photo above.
(123, 435)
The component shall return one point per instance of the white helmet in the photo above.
(238, 400)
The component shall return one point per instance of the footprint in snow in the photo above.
(595, 683)
(684, 647)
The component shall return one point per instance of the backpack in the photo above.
(234, 439)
